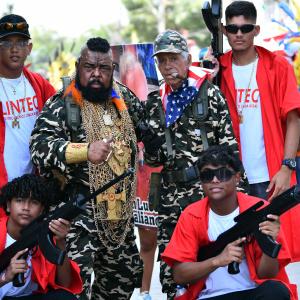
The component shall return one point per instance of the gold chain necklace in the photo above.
(240, 110)
(15, 122)
(113, 209)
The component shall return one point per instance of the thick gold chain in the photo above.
(111, 233)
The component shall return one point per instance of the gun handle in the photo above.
(233, 268)
(19, 279)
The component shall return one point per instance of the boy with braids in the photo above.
(24, 199)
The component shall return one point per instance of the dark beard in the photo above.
(94, 95)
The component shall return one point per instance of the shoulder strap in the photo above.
(200, 111)
(72, 111)
(169, 143)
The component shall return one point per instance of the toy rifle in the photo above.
(247, 223)
(212, 16)
(37, 233)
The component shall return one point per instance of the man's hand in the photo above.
(214, 61)
(17, 265)
(99, 151)
(232, 252)
(280, 182)
(270, 227)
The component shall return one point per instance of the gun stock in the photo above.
(247, 224)
(37, 233)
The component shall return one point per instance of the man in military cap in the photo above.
(189, 114)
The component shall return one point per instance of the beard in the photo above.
(98, 95)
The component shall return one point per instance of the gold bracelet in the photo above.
(76, 153)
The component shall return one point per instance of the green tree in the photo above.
(148, 17)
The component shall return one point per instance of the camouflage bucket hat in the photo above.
(170, 41)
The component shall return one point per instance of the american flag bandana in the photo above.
(175, 102)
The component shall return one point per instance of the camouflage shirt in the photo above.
(186, 139)
(51, 136)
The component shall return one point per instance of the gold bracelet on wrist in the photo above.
(76, 153)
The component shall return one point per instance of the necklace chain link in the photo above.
(15, 121)
(112, 233)
(240, 110)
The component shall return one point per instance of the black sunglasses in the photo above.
(223, 174)
(246, 28)
(11, 26)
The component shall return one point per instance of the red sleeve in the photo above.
(49, 90)
(185, 241)
(44, 274)
(289, 94)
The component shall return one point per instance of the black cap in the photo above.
(13, 24)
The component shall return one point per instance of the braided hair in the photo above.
(45, 191)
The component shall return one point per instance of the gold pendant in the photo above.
(107, 119)
(114, 203)
(15, 123)
(120, 158)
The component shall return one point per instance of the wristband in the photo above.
(76, 153)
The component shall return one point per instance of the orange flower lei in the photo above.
(72, 91)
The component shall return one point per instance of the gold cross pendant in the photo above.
(15, 123)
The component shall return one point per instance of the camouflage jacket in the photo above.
(51, 136)
(186, 140)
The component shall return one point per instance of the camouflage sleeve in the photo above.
(49, 138)
(136, 109)
(155, 158)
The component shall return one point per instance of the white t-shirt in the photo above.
(28, 288)
(220, 282)
(25, 106)
(251, 127)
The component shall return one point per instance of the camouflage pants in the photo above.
(170, 207)
(117, 273)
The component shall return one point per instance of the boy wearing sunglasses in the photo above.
(260, 276)
(22, 95)
(261, 91)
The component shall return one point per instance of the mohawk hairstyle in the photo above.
(220, 155)
(241, 8)
(46, 191)
(98, 44)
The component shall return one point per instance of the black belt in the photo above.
(181, 176)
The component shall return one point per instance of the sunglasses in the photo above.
(223, 174)
(18, 44)
(246, 28)
(22, 26)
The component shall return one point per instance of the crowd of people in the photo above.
(219, 150)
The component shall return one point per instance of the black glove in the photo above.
(152, 142)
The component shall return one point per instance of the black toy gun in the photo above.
(247, 224)
(37, 233)
(212, 16)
